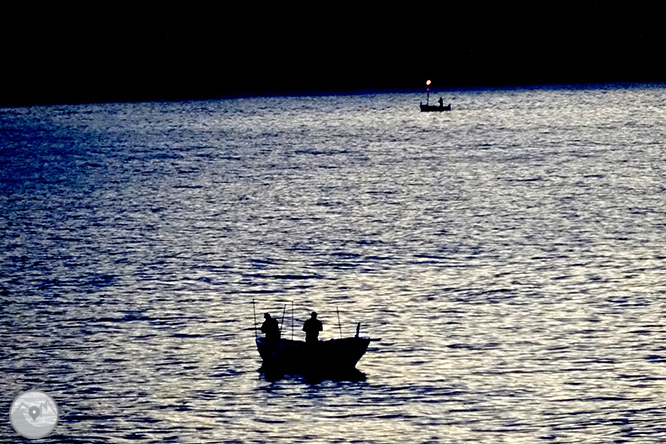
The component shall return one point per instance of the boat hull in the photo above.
(332, 356)
(433, 108)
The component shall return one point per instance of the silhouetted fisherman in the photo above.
(271, 328)
(441, 102)
(312, 327)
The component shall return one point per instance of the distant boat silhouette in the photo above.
(428, 108)
(437, 108)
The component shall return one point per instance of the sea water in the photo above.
(510, 254)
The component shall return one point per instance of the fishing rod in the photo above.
(282, 321)
(339, 324)
(254, 312)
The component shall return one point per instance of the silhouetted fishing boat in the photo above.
(436, 108)
(429, 108)
(333, 356)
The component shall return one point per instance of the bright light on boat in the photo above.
(428, 83)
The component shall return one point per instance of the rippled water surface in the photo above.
(510, 254)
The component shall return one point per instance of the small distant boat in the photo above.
(334, 356)
(429, 108)
(433, 108)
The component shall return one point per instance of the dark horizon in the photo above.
(61, 55)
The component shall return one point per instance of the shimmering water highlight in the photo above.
(510, 254)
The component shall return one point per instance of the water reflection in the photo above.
(509, 255)
(314, 378)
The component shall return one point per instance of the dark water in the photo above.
(511, 255)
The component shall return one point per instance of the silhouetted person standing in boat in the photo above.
(441, 102)
(271, 328)
(312, 327)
